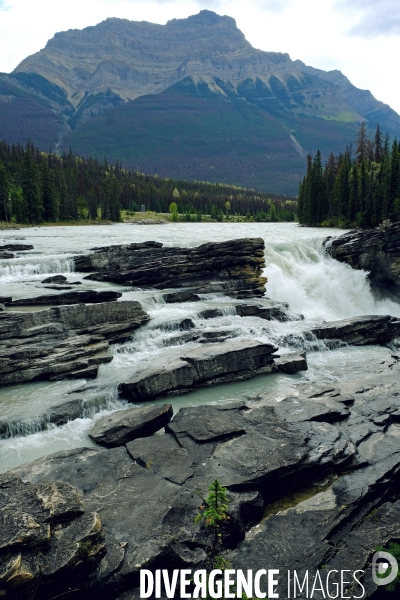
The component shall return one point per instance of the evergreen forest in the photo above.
(354, 189)
(38, 187)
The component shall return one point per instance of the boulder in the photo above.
(124, 426)
(2, 307)
(293, 362)
(55, 279)
(6, 255)
(267, 310)
(233, 267)
(374, 250)
(180, 297)
(47, 540)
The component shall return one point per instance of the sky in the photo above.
(361, 38)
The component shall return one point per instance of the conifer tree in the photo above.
(30, 187)
(4, 194)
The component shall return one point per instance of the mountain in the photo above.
(189, 99)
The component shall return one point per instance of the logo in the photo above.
(383, 562)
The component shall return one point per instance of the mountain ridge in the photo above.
(199, 66)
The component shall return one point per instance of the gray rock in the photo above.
(231, 360)
(55, 279)
(6, 255)
(124, 426)
(268, 310)
(180, 297)
(46, 541)
(311, 479)
(75, 297)
(374, 250)
(233, 267)
(67, 341)
(16, 247)
(210, 313)
(2, 307)
(359, 331)
(293, 362)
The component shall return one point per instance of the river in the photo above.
(298, 272)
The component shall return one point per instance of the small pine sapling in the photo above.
(212, 514)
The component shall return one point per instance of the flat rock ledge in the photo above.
(75, 297)
(312, 485)
(210, 364)
(360, 331)
(125, 426)
(65, 341)
(233, 267)
(374, 250)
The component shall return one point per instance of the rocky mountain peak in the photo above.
(204, 17)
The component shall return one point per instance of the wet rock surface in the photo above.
(75, 297)
(358, 331)
(374, 250)
(232, 267)
(312, 485)
(15, 247)
(124, 426)
(209, 364)
(66, 341)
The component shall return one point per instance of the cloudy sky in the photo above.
(359, 37)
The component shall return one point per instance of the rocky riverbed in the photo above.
(311, 471)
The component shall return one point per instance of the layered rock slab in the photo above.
(208, 364)
(125, 426)
(233, 267)
(374, 250)
(63, 341)
(360, 331)
(65, 298)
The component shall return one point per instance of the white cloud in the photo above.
(372, 18)
(4, 5)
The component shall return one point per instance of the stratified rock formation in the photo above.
(232, 267)
(374, 250)
(79, 297)
(312, 485)
(124, 426)
(44, 533)
(66, 341)
(360, 331)
(210, 364)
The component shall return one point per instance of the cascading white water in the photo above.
(313, 283)
(298, 270)
(20, 269)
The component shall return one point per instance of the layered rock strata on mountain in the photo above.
(210, 364)
(317, 474)
(374, 250)
(233, 267)
(66, 341)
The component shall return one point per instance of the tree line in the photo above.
(354, 189)
(37, 187)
